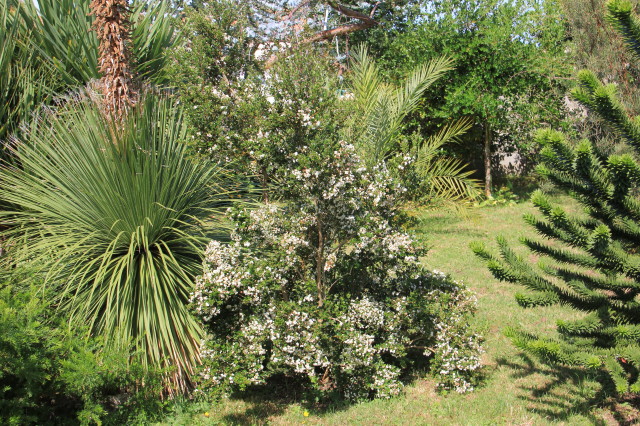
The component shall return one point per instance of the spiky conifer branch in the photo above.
(595, 261)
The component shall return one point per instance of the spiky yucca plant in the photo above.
(595, 265)
(117, 214)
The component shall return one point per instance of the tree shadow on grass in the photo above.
(274, 397)
(560, 392)
(280, 392)
(448, 224)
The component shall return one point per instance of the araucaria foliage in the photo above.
(595, 262)
(329, 288)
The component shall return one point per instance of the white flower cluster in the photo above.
(457, 350)
(386, 381)
(221, 268)
(300, 347)
(366, 314)
(330, 287)
(457, 362)
(306, 117)
(265, 50)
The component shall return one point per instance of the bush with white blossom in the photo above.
(329, 288)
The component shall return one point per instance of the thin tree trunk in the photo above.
(487, 160)
(320, 262)
(265, 186)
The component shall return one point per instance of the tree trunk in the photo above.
(320, 262)
(487, 160)
(113, 30)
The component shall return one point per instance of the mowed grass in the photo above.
(517, 389)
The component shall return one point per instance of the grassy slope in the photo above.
(517, 390)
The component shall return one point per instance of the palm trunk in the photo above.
(487, 160)
(112, 27)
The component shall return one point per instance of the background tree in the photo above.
(594, 257)
(304, 22)
(508, 57)
(596, 45)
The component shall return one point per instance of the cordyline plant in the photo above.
(113, 28)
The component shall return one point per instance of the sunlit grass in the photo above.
(517, 390)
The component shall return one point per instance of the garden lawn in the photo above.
(517, 389)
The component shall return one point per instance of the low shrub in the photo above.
(49, 375)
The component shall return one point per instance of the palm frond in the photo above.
(447, 178)
(383, 108)
(407, 97)
(450, 133)
(367, 81)
(153, 35)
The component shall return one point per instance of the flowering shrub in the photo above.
(241, 114)
(330, 288)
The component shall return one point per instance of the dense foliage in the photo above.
(327, 241)
(594, 266)
(509, 57)
(50, 374)
(321, 281)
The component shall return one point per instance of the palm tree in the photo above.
(378, 123)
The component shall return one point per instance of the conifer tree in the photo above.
(595, 257)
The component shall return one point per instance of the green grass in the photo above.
(517, 390)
